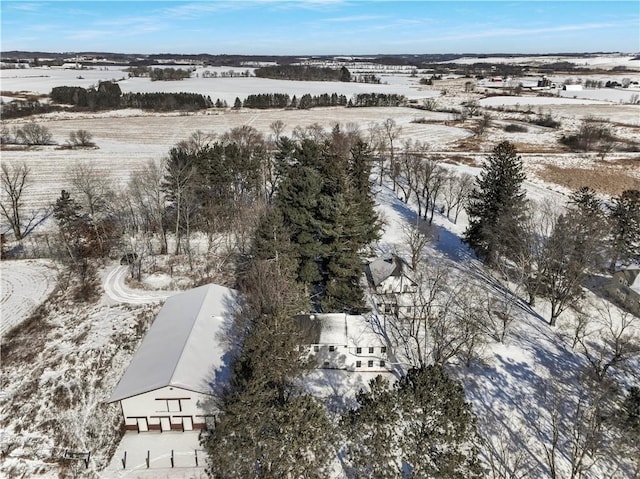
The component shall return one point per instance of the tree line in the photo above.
(283, 100)
(109, 95)
(159, 74)
(303, 73)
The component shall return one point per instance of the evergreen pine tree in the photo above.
(625, 222)
(422, 427)
(371, 438)
(496, 207)
(297, 199)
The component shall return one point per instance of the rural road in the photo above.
(117, 290)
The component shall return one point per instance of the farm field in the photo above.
(82, 350)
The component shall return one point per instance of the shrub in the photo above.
(545, 120)
(33, 134)
(81, 139)
(513, 128)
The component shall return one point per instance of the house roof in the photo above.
(384, 267)
(633, 279)
(184, 346)
(344, 329)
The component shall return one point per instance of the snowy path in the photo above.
(24, 284)
(118, 291)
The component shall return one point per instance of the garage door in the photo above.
(142, 424)
(165, 424)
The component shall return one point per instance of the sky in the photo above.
(320, 27)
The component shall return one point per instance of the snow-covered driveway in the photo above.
(24, 285)
(118, 291)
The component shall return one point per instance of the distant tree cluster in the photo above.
(377, 99)
(368, 78)
(166, 101)
(168, 74)
(156, 74)
(303, 73)
(108, 95)
(21, 108)
(283, 100)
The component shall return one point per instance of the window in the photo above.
(316, 349)
(408, 309)
(358, 364)
(370, 350)
(383, 349)
(358, 350)
(326, 364)
(370, 364)
(332, 348)
(170, 404)
(382, 364)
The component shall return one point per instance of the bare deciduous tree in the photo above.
(610, 341)
(81, 139)
(92, 186)
(455, 192)
(33, 134)
(391, 133)
(15, 181)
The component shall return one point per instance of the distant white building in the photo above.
(576, 87)
(178, 362)
(343, 341)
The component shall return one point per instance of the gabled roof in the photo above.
(184, 346)
(384, 267)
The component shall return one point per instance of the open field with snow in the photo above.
(24, 286)
(60, 368)
(42, 80)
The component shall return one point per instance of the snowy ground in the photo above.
(514, 384)
(185, 447)
(117, 291)
(42, 80)
(60, 371)
(24, 284)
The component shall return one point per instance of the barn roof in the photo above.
(184, 346)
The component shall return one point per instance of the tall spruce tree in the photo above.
(496, 206)
(625, 223)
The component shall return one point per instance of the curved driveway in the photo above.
(118, 291)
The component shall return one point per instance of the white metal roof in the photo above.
(184, 346)
(348, 330)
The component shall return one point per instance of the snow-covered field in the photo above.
(57, 374)
(127, 143)
(42, 80)
(604, 61)
(25, 285)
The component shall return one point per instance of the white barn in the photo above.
(178, 363)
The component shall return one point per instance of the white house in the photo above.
(178, 362)
(391, 282)
(343, 341)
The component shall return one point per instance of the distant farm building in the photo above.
(572, 87)
(179, 362)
